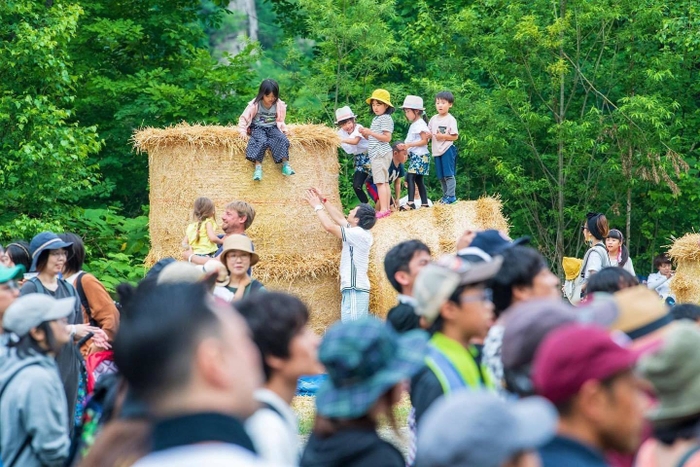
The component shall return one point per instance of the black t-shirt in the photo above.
(396, 172)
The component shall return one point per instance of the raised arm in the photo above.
(335, 214)
(328, 224)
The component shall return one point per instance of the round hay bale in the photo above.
(685, 252)
(438, 227)
(296, 255)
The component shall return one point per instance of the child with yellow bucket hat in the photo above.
(379, 150)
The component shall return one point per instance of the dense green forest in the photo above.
(564, 107)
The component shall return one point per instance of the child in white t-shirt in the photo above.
(417, 145)
(443, 128)
(354, 144)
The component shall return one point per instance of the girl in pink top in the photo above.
(263, 121)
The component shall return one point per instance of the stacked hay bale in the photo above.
(296, 254)
(685, 252)
(438, 227)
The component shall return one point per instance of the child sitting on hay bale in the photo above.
(200, 235)
(263, 120)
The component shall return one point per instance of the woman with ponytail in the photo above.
(618, 253)
(595, 231)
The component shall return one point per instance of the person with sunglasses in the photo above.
(456, 306)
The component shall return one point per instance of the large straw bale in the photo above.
(296, 255)
(438, 227)
(685, 284)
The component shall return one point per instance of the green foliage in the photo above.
(45, 153)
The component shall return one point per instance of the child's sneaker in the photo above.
(450, 200)
(383, 214)
(287, 170)
(442, 200)
(257, 175)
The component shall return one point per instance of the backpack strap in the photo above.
(83, 299)
(688, 455)
(255, 285)
(39, 286)
(27, 441)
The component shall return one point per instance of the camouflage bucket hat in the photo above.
(364, 359)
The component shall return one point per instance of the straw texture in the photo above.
(296, 255)
(685, 252)
(438, 227)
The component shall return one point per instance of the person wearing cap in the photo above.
(452, 299)
(238, 216)
(354, 144)
(289, 350)
(18, 254)
(379, 149)
(527, 323)
(367, 364)
(33, 409)
(590, 380)
(238, 256)
(402, 264)
(416, 143)
(354, 231)
(674, 372)
(524, 275)
(49, 256)
(9, 290)
(476, 428)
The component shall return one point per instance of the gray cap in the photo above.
(529, 322)
(437, 281)
(31, 310)
(476, 428)
(179, 272)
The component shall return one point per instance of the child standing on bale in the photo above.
(417, 145)
(355, 144)
(379, 136)
(263, 119)
(443, 128)
(201, 235)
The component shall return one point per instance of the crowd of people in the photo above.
(198, 364)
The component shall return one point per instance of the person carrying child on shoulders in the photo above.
(379, 150)
(443, 128)
(353, 143)
(200, 235)
(417, 145)
(263, 120)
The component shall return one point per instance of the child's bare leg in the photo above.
(384, 196)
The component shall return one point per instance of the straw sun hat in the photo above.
(239, 243)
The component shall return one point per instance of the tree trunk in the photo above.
(628, 221)
(560, 153)
(252, 19)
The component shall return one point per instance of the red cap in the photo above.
(574, 354)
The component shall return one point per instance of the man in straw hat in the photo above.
(236, 219)
(354, 259)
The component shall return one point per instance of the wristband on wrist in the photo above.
(189, 260)
(318, 207)
(324, 200)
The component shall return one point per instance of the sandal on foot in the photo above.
(407, 207)
(287, 170)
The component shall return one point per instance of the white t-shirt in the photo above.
(354, 260)
(627, 267)
(595, 260)
(360, 147)
(661, 284)
(445, 125)
(274, 436)
(414, 131)
(209, 454)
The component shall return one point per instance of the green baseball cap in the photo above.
(674, 371)
(8, 274)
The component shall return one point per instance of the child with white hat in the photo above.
(354, 144)
(417, 145)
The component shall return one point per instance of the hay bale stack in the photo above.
(296, 255)
(438, 227)
(685, 284)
